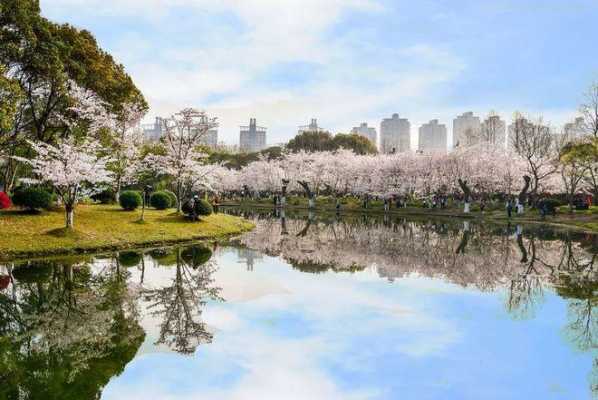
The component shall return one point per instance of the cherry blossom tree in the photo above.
(125, 145)
(182, 161)
(68, 167)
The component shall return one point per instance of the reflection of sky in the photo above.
(284, 334)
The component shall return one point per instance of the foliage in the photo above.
(204, 208)
(129, 259)
(106, 196)
(357, 143)
(310, 142)
(130, 200)
(172, 197)
(32, 198)
(161, 200)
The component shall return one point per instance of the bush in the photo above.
(32, 198)
(105, 197)
(551, 204)
(173, 198)
(160, 200)
(130, 200)
(202, 207)
(4, 201)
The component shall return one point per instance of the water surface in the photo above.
(311, 307)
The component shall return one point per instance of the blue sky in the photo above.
(347, 61)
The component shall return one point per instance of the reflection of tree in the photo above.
(179, 306)
(65, 333)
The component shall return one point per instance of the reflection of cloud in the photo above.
(257, 354)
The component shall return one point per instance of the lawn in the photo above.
(103, 227)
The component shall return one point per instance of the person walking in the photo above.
(509, 207)
(483, 205)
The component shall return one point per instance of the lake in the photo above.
(311, 306)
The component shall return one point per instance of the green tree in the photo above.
(355, 142)
(311, 142)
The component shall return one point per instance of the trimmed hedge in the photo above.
(202, 207)
(173, 198)
(160, 200)
(32, 198)
(130, 200)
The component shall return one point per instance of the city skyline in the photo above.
(428, 60)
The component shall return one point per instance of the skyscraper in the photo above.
(395, 134)
(367, 132)
(252, 138)
(432, 137)
(466, 129)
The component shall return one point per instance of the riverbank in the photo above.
(586, 220)
(105, 227)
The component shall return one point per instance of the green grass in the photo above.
(105, 227)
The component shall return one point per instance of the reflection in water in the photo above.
(485, 257)
(68, 326)
(64, 332)
(179, 305)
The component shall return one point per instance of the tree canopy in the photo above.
(324, 141)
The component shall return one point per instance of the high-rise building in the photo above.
(312, 127)
(210, 138)
(252, 138)
(494, 130)
(432, 137)
(466, 129)
(395, 134)
(153, 132)
(367, 132)
(575, 129)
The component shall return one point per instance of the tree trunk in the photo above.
(523, 194)
(178, 195)
(70, 216)
(466, 195)
(309, 193)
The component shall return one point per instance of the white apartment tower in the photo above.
(466, 129)
(395, 134)
(252, 138)
(575, 129)
(210, 138)
(432, 137)
(367, 132)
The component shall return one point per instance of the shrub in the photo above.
(130, 200)
(32, 198)
(105, 196)
(551, 204)
(202, 207)
(160, 200)
(4, 201)
(173, 198)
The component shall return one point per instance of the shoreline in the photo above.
(106, 228)
(561, 221)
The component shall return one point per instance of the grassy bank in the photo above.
(105, 227)
(586, 220)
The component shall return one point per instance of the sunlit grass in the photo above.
(105, 226)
